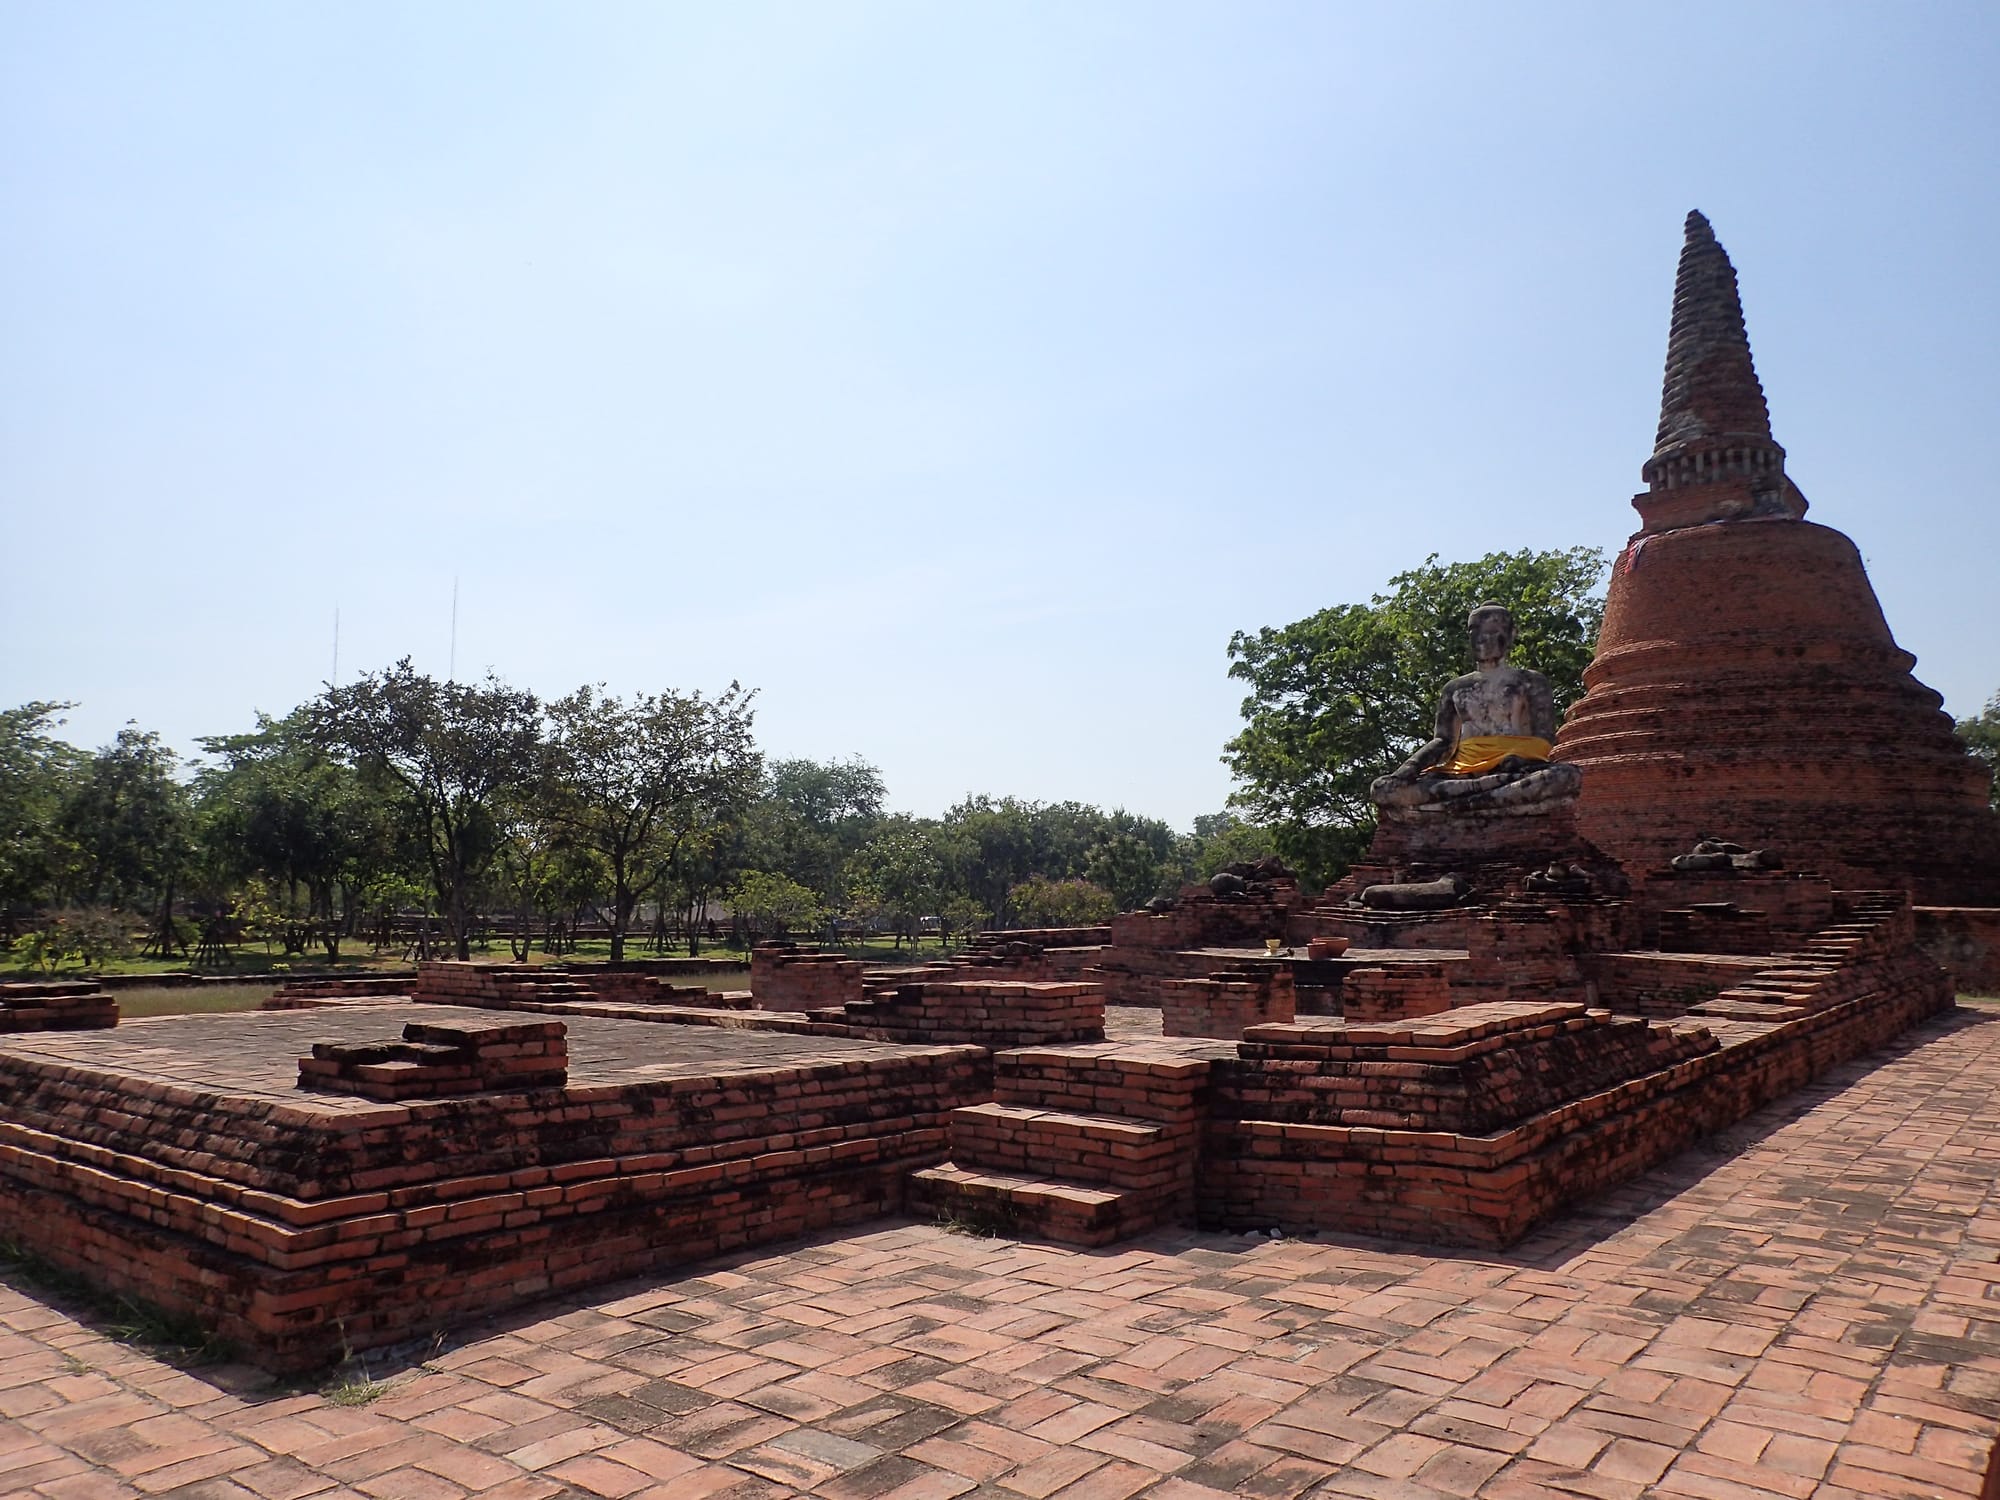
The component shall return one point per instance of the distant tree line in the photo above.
(397, 803)
(400, 808)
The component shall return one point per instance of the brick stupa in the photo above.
(1746, 685)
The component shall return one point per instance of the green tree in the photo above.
(811, 818)
(775, 905)
(1218, 840)
(1127, 865)
(37, 774)
(902, 871)
(276, 803)
(1346, 695)
(450, 748)
(1041, 902)
(632, 781)
(1982, 737)
(127, 817)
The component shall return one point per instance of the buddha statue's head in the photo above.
(1491, 627)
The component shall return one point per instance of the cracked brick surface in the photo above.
(1808, 1307)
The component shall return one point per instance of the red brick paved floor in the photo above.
(1812, 1307)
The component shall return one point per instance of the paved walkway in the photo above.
(1812, 1307)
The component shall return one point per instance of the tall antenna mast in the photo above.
(334, 680)
(451, 669)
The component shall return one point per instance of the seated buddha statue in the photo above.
(1495, 728)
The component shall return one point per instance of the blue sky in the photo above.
(960, 376)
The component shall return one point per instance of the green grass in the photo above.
(355, 1390)
(177, 1338)
(247, 962)
(190, 1000)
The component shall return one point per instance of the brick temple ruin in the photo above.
(1514, 1001)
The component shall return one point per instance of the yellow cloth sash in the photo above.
(1482, 752)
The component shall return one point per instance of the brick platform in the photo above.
(176, 1160)
(1801, 1308)
(1429, 1131)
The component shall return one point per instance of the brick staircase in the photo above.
(1086, 1145)
(1827, 967)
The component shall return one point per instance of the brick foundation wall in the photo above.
(638, 987)
(290, 1230)
(1469, 1071)
(1722, 927)
(303, 994)
(1057, 953)
(1794, 903)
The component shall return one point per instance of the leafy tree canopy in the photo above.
(634, 781)
(1041, 902)
(452, 748)
(37, 772)
(1345, 695)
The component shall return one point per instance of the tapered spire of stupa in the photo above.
(1714, 426)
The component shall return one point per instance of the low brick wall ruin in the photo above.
(1394, 991)
(785, 977)
(1792, 902)
(1664, 985)
(1966, 940)
(434, 1061)
(55, 1005)
(984, 1012)
(1221, 1004)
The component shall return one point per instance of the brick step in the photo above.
(1727, 1008)
(1776, 999)
(1071, 1213)
(1100, 1149)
